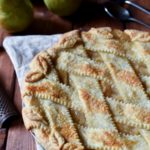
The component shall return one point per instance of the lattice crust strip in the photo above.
(93, 136)
(136, 58)
(102, 39)
(99, 138)
(142, 62)
(49, 89)
(54, 132)
(135, 45)
(130, 114)
(141, 42)
(93, 103)
(138, 52)
(100, 98)
(118, 109)
(146, 82)
(102, 114)
(53, 90)
(131, 90)
(81, 65)
(57, 120)
(50, 124)
(127, 82)
(138, 116)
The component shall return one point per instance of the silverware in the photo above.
(120, 13)
(134, 5)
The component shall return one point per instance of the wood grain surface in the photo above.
(48, 23)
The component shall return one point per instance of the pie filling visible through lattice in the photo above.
(91, 90)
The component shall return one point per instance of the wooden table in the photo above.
(46, 22)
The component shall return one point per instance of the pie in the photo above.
(91, 91)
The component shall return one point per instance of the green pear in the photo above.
(15, 15)
(62, 7)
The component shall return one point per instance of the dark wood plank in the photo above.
(3, 34)
(17, 97)
(14, 140)
(46, 22)
(139, 15)
(3, 134)
(18, 138)
(6, 73)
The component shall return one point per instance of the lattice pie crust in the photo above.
(91, 91)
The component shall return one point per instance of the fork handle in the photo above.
(140, 22)
(138, 6)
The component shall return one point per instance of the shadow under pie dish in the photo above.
(91, 91)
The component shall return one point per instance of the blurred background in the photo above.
(55, 16)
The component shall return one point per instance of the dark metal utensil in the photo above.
(117, 12)
(7, 114)
(134, 5)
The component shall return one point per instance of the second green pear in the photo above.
(63, 7)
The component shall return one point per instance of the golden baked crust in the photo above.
(91, 90)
